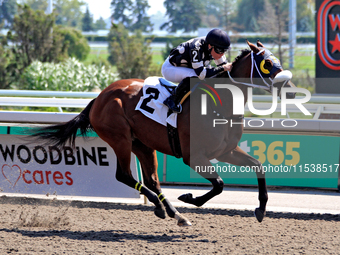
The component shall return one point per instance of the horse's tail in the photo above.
(58, 135)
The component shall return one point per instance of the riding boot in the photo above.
(173, 100)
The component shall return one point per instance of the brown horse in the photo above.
(113, 117)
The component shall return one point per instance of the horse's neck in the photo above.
(244, 89)
(241, 74)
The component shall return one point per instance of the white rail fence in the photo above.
(317, 105)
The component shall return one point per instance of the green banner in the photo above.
(288, 160)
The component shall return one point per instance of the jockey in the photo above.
(192, 59)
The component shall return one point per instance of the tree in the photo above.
(87, 24)
(131, 55)
(74, 41)
(248, 14)
(218, 13)
(117, 34)
(69, 12)
(305, 15)
(8, 8)
(32, 37)
(141, 21)
(275, 21)
(8, 66)
(99, 24)
(132, 14)
(183, 15)
(120, 12)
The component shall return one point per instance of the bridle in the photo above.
(285, 77)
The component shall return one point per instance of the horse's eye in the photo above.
(268, 64)
(265, 66)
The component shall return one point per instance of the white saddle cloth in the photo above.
(151, 103)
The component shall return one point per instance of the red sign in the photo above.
(328, 34)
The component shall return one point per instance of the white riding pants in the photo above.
(176, 73)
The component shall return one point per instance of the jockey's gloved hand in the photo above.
(227, 67)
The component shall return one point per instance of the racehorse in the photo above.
(113, 117)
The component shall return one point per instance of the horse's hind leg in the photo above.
(118, 135)
(148, 160)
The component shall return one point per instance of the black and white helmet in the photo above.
(218, 39)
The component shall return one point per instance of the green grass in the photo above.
(157, 55)
(304, 62)
(97, 56)
(93, 58)
(157, 59)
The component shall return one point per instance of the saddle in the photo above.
(170, 86)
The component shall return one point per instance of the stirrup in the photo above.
(179, 109)
(176, 108)
(172, 105)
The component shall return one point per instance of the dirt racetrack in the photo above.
(31, 226)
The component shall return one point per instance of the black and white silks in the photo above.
(195, 54)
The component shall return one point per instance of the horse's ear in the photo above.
(253, 47)
(259, 44)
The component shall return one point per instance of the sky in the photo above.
(101, 8)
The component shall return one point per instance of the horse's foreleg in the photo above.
(148, 160)
(240, 158)
(213, 177)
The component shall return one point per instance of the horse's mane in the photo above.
(243, 53)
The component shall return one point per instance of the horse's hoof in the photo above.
(259, 214)
(182, 221)
(186, 198)
(160, 212)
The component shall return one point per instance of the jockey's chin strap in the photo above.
(253, 63)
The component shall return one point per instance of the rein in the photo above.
(267, 87)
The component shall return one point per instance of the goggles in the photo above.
(220, 50)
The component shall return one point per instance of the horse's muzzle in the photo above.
(290, 95)
(283, 76)
(283, 79)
